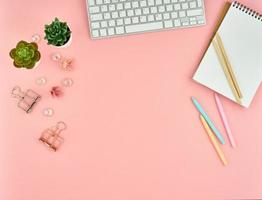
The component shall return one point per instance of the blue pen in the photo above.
(208, 120)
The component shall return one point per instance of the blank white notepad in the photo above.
(241, 33)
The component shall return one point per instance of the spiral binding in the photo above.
(247, 10)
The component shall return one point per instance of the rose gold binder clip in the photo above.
(51, 136)
(27, 99)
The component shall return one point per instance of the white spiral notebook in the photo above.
(241, 33)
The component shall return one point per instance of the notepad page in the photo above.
(241, 34)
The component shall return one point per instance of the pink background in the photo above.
(133, 132)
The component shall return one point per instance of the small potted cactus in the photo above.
(25, 55)
(58, 33)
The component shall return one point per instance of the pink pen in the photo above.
(225, 121)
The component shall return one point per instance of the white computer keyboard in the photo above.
(121, 17)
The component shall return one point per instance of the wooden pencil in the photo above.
(228, 64)
(225, 69)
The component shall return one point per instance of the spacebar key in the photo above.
(144, 27)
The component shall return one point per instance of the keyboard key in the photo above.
(185, 6)
(145, 11)
(158, 17)
(95, 25)
(153, 10)
(174, 15)
(112, 23)
(194, 12)
(182, 13)
(192, 4)
(127, 5)
(192, 19)
(119, 6)
(158, 2)
(119, 22)
(177, 22)
(120, 30)
(200, 18)
(135, 20)
(99, 2)
(122, 13)
(199, 3)
(91, 2)
(143, 3)
(193, 22)
(127, 20)
(168, 24)
(200, 21)
(169, 8)
(177, 6)
(151, 2)
(186, 20)
(111, 31)
(150, 18)
(144, 27)
(130, 13)
(135, 4)
(143, 18)
(166, 16)
(138, 11)
(104, 8)
(96, 17)
(95, 33)
(104, 24)
(107, 16)
(94, 9)
(103, 32)
(112, 7)
(114, 15)
(161, 9)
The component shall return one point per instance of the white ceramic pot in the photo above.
(66, 44)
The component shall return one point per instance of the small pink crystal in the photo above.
(66, 64)
(56, 91)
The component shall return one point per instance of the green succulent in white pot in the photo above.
(58, 33)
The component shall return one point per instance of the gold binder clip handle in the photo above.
(17, 92)
(60, 126)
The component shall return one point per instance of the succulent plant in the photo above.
(57, 33)
(25, 55)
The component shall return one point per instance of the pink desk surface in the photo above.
(133, 133)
